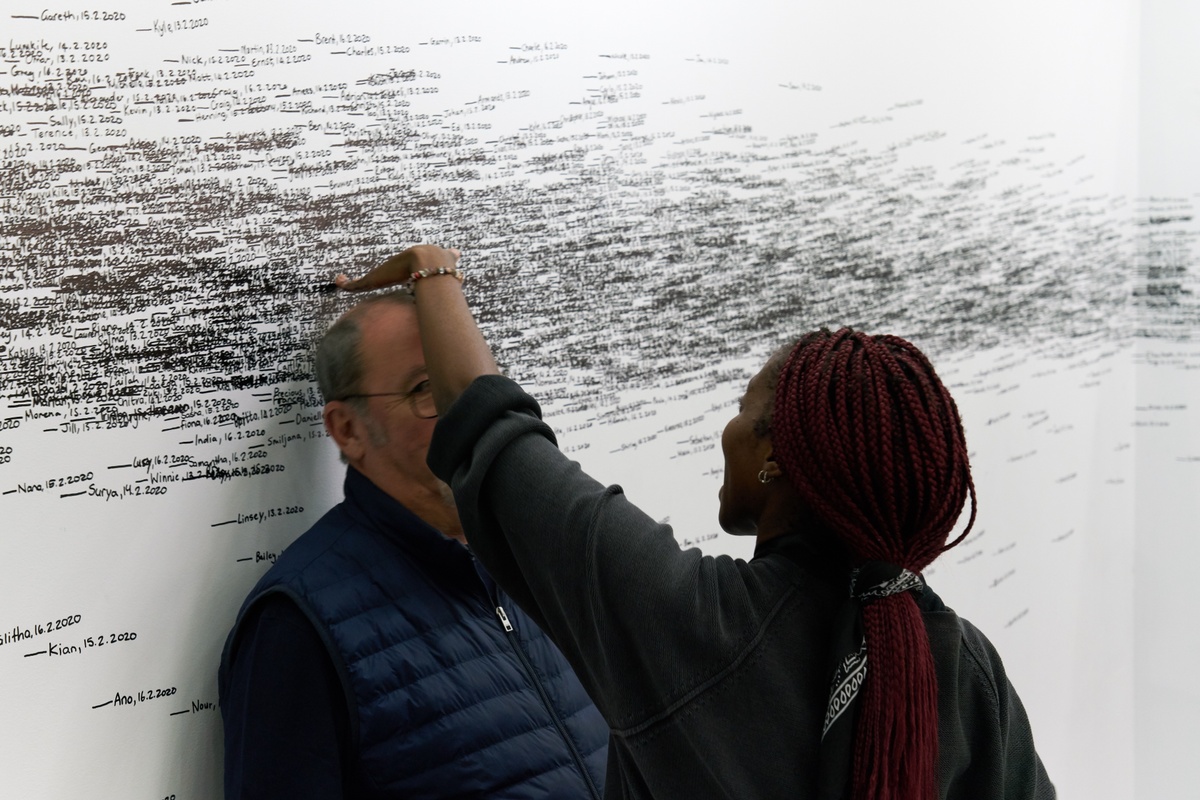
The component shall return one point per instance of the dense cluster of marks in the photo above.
(154, 268)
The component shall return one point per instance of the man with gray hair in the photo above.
(377, 658)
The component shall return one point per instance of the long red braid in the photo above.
(872, 441)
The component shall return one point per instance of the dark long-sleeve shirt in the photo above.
(712, 672)
(293, 732)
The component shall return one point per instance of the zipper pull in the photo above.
(504, 619)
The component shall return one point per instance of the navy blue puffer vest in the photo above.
(452, 690)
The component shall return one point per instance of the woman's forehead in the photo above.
(758, 382)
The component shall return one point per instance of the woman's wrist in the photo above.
(400, 269)
(432, 272)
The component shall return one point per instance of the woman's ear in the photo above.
(771, 468)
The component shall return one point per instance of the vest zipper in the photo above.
(532, 674)
(504, 619)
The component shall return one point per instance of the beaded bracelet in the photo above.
(426, 273)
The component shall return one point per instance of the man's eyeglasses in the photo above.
(419, 399)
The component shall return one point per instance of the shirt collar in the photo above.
(374, 508)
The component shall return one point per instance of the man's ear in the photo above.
(346, 428)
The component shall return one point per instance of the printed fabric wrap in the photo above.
(871, 581)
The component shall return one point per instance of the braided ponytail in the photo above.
(872, 442)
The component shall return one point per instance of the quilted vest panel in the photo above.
(445, 702)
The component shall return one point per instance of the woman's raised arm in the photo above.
(455, 350)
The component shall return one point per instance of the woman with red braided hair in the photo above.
(824, 667)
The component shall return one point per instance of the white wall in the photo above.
(650, 198)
